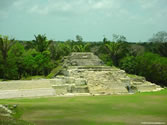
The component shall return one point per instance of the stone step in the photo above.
(137, 83)
(146, 88)
(79, 89)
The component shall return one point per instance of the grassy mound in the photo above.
(55, 71)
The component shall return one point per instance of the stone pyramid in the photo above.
(84, 72)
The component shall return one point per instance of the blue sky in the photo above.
(92, 19)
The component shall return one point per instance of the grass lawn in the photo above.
(93, 110)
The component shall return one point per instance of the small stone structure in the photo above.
(82, 74)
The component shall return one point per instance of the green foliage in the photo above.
(55, 71)
(8, 69)
(152, 66)
(106, 59)
(128, 63)
(81, 47)
(37, 63)
(16, 57)
(5, 45)
(116, 51)
(41, 43)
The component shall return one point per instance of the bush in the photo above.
(152, 66)
(128, 64)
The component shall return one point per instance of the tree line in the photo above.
(19, 59)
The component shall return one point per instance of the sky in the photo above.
(61, 20)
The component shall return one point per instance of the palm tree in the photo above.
(41, 43)
(116, 50)
(81, 47)
(5, 45)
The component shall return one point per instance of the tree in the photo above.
(37, 63)
(81, 47)
(5, 45)
(159, 37)
(16, 54)
(116, 51)
(119, 38)
(41, 43)
(128, 64)
(162, 49)
(79, 38)
(1, 66)
(158, 43)
(105, 40)
(136, 49)
(153, 67)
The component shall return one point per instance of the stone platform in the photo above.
(86, 73)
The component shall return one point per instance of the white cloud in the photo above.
(73, 6)
(147, 4)
(51, 7)
(120, 9)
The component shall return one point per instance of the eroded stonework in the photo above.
(86, 73)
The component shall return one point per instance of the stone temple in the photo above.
(82, 74)
(86, 73)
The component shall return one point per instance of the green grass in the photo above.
(93, 110)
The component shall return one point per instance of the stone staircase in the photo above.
(144, 86)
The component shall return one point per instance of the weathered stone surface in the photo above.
(142, 85)
(82, 59)
(26, 88)
(79, 89)
(60, 89)
(88, 69)
(26, 93)
(25, 84)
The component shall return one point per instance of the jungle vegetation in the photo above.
(21, 59)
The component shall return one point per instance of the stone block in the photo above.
(79, 89)
(60, 89)
(146, 88)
